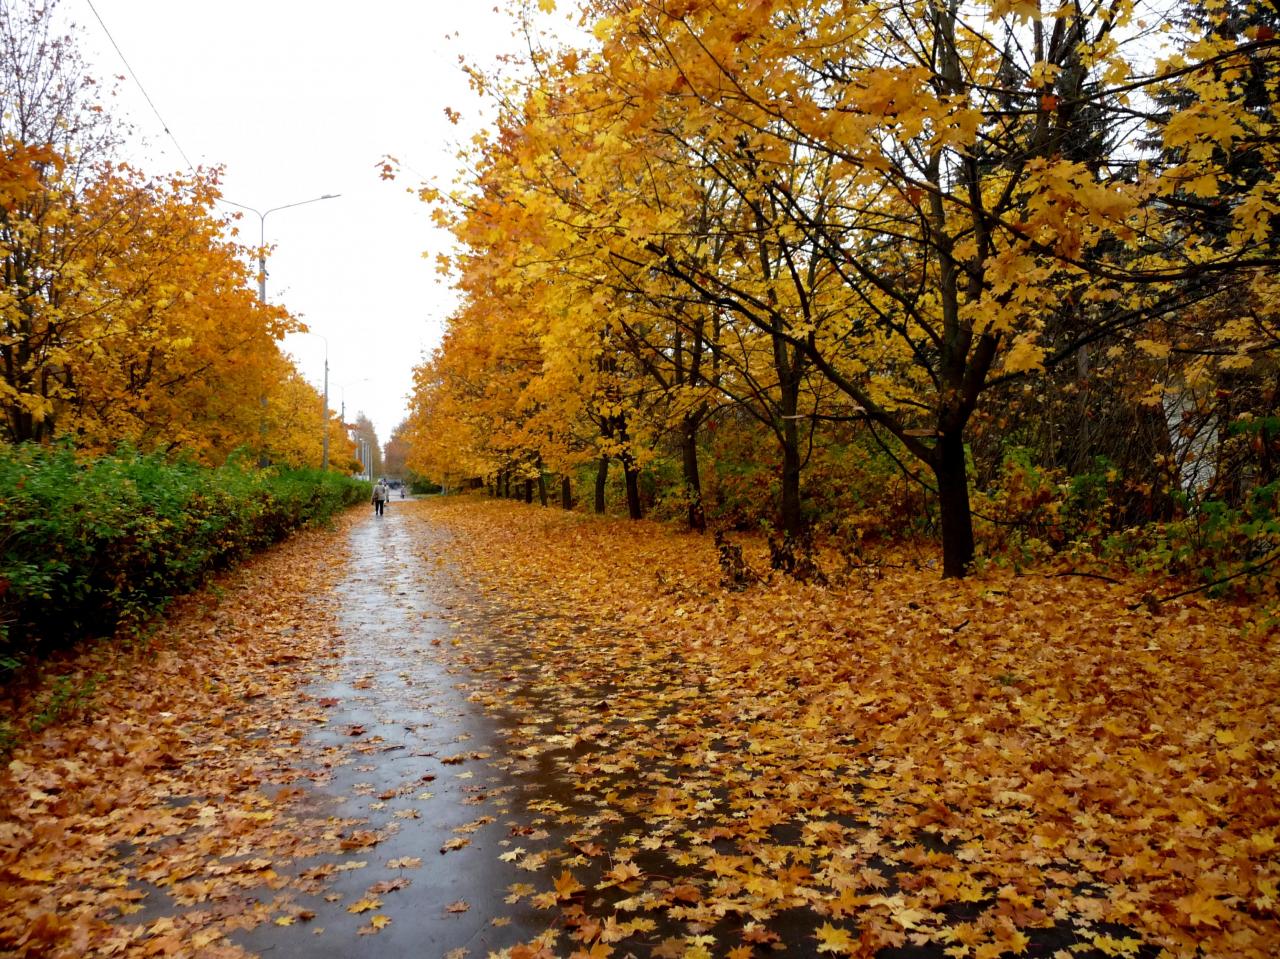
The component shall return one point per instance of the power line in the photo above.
(146, 96)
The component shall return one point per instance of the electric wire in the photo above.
(141, 88)
(154, 109)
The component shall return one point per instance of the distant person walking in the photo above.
(380, 496)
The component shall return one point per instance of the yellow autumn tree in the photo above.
(899, 211)
(126, 315)
(987, 193)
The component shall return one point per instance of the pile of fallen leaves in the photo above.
(977, 767)
(894, 765)
(188, 757)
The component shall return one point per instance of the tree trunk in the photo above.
(542, 489)
(953, 503)
(692, 482)
(791, 513)
(631, 472)
(566, 492)
(528, 491)
(602, 477)
(789, 366)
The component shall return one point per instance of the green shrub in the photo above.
(86, 544)
(1031, 512)
(1230, 548)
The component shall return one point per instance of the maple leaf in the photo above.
(517, 891)
(1203, 909)
(33, 875)
(388, 885)
(833, 939)
(534, 950)
(597, 950)
(457, 907)
(620, 874)
(367, 904)
(756, 933)
(566, 885)
(1024, 355)
(908, 918)
(454, 844)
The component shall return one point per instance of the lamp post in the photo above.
(324, 460)
(342, 391)
(262, 298)
(262, 233)
(342, 416)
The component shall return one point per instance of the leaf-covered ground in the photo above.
(1032, 765)
(1004, 764)
(189, 735)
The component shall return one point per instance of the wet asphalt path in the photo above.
(409, 758)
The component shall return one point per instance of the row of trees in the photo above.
(126, 315)
(933, 231)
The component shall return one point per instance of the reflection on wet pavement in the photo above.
(423, 815)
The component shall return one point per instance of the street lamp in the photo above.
(262, 234)
(342, 391)
(342, 416)
(262, 298)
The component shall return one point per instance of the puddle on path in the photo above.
(410, 764)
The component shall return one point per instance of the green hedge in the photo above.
(88, 543)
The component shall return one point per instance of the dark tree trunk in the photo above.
(630, 469)
(792, 515)
(692, 482)
(632, 474)
(528, 491)
(566, 492)
(953, 503)
(602, 477)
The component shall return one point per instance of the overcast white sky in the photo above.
(298, 98)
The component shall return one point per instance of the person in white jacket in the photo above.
(380, 496)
